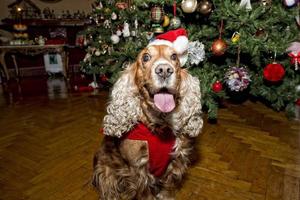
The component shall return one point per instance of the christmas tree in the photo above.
(251, 47)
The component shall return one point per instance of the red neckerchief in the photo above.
(160, 146)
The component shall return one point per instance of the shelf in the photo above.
(48, 22)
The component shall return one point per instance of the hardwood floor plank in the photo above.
(47, 147)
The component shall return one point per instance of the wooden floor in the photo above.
(46, 150)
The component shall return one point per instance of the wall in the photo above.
(72, 5)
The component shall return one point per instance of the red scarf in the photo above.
(160, 145)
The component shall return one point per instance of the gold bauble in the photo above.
(235, 38)
(205, 7)
(166, 21)
(158, 29)
(189, 6)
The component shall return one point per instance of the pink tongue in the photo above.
(164, 102)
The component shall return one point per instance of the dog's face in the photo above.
(158, 77)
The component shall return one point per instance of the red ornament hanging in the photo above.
(219, 46)
(274, 72)
(217, 86)
(298, 102)
(103, 78)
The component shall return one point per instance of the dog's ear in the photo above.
(124, 108)
(188, 118)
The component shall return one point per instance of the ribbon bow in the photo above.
(295, 59)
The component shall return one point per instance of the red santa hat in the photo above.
(177, 39)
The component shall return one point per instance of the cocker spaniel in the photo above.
(152, 119)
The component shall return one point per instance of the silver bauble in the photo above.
(175, 23)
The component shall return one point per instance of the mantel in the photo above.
(48, 22)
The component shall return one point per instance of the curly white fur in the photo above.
(124, 109)
(188, 118)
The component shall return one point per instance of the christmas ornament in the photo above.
(246, 4)
(157, 14)
(119, 33)
(157, 28)
(235, 37)
(297, 18)
(295, 59)
(104, 48)
(237, 78)
(260, 32)
(121, 5)
(205, 7)
(166, 21)
(196, 52)
(133, 33)
(274, 72)
(94, 85)
(83, 88)
(126, 31)
(189, 6)
(290, 3)
(149, 35)
(266, 2)
(175, 23)
(103, 78)
(294, 53)
(298, 102)
(217, 87)
(115, 39)
(114, 16)
(97, 52)
(106, 24)
(99, 6)
(111, 2)
(107, 10)
(219, 47)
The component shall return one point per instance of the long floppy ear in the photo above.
(124, 107)
(188, 118)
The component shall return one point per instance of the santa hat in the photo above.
(177, 39)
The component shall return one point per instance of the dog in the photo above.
(154, 98)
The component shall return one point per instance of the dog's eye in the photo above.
(146, 57)
(173, 56)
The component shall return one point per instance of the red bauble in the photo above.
(274, 72)
(103, 78)
(298, 102)
(217, 86)
(219, 47)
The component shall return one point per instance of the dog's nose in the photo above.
(164, 71)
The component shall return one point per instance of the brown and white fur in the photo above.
(121, 166)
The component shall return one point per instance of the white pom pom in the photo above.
(115, 39)
(181, 44)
